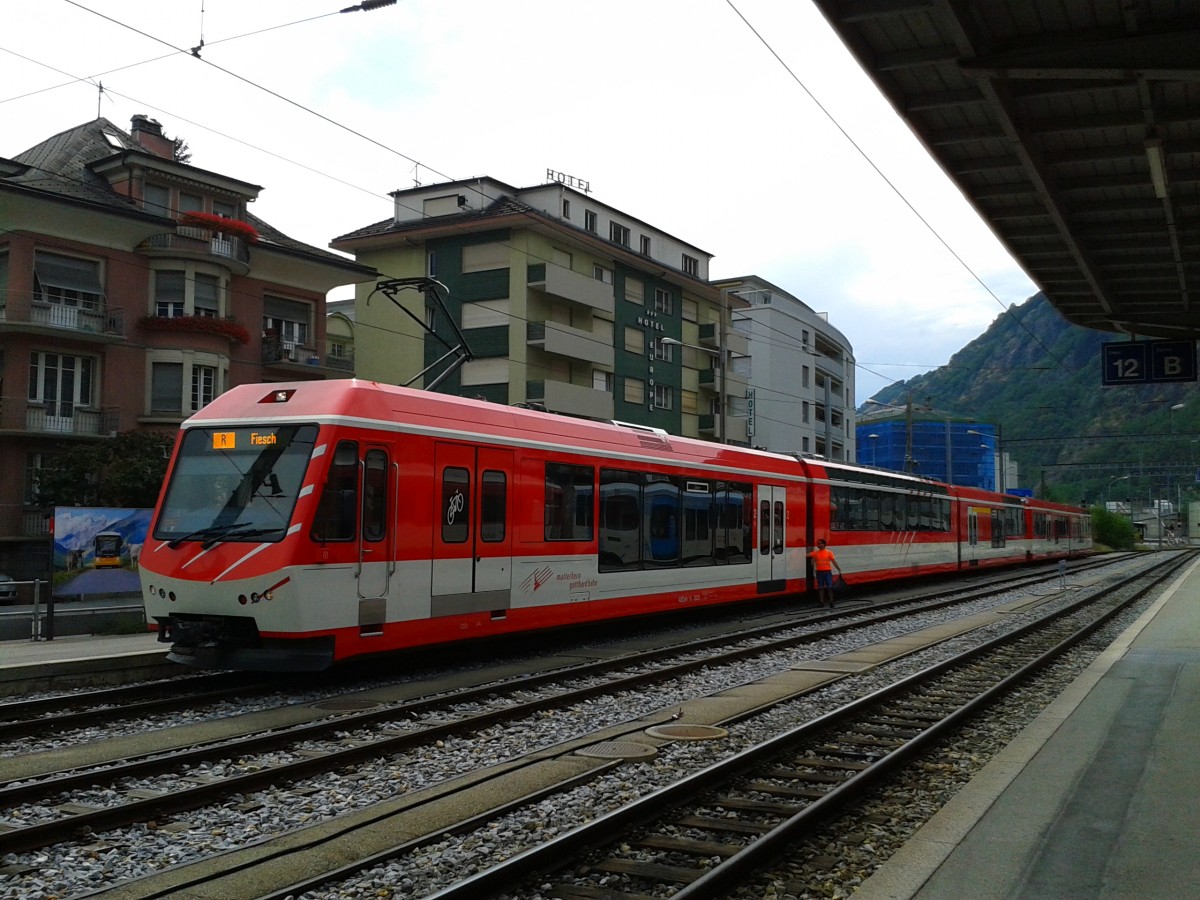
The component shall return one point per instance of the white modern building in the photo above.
(800, 395)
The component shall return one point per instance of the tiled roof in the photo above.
(269, 234)
(62, 166)
(503, 206)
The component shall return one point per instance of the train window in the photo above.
(912, 506)
(942, 509)
(338, 509)
(779, 518)
(698, 518)
(456, 505)
(764, 527)
(735, 515)
(493, 506)
(998, 528)
(887, 511)
(570, 494)
(375, 492)
(620, 520)
(661, 522)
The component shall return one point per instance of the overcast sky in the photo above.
(743, 127)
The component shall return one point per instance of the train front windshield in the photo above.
(235, 484)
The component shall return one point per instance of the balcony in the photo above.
(227, 327)
(710, 426)
(562, 340)
(35, 524)
(564, 284)
(188, 242)
(736, 342)
(25, 312)
(21, 416)
(289, 355)
(559, 396)
(343, 363)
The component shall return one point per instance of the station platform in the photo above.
(1097, 797)
(76, 646)
(70, 662)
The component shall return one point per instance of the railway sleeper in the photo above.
(821, 762)
(782, 790)
(590, 892)
(722, 826)
(871, 741)
(886, 731)
(690, 846)
(759, 807)
(801, 775)
(650, 871)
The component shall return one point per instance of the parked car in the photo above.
(8, 590)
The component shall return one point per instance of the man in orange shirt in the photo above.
(823, 564)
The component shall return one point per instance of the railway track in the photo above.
(418, 723)
(60, 714)
(709, 834)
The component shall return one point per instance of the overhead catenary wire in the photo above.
(357, 132)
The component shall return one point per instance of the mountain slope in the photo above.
(1039, 378)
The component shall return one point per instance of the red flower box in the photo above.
(197, 325)
(212, 221)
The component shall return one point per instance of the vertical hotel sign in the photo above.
(1148, 362)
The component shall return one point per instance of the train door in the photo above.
(376, 539)
(472, 537)
(772, 539)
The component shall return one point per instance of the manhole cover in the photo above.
(687, 732)
(618, 750)
(346, 705)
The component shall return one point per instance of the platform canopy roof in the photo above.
(1072, 126)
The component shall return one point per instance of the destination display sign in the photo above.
(1149, 362)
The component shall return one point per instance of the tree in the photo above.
(126, 471)
(1112, 530)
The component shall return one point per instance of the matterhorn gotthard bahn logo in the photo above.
(537, 578)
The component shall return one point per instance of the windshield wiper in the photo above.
(238, 533)
(207, 532)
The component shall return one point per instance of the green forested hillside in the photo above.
(1039, 378)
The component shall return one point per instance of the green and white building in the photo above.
(563, 301)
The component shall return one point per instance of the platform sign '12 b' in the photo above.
(1149, 362)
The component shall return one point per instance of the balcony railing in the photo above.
(202, 241)
(565, 284)
(277, 351)
(573, 399)
(562, 340)
(32, 310)
(343, 363)
(51, 417)
(35, 524)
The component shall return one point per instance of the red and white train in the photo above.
(306, 523)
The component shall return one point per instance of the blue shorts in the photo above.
(824, 578)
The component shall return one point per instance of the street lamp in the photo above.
(1000, 463)
(720, 356)
(873, 438)
(1177, 406)
(1109, 488)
